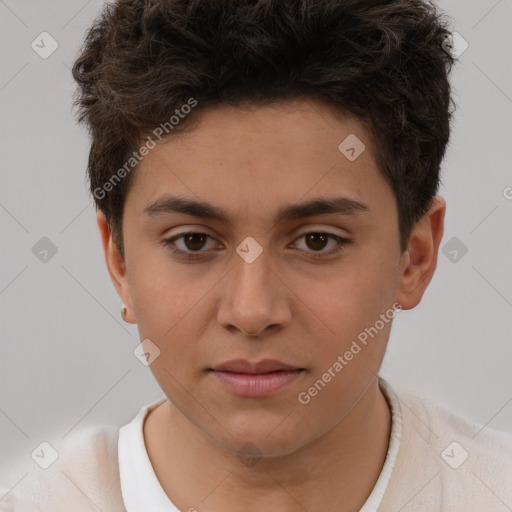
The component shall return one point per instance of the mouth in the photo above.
(258, 367)
(258, 379)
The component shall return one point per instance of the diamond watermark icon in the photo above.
(352, 147)
(455, 45)
(44, 250)
(249, 249)
(44, 455)
(44, 45)
(454, 455)
(249, 454)
(454, 249)
(146, 352)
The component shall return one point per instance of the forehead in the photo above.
(255, 160)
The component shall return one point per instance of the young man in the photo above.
(265, 174)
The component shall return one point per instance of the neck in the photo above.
(335, 472)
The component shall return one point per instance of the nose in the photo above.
(255, 298)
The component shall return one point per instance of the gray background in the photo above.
(67, 357)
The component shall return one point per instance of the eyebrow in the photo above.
(319, 206)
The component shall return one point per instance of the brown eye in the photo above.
(316, 241)
(194, 245)
(190, 244)
(194, 241)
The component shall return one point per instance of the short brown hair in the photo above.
(382, 60)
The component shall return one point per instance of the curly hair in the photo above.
(382, 60)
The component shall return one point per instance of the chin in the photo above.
(263, 439)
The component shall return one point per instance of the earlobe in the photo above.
(115, 265)
(420, 260)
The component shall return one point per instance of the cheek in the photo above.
(162, 292)
(355, 296)
(356, 309)
(173, 308)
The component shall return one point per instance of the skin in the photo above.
(326, 455)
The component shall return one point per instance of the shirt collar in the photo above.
(139, 485)
(141, 489)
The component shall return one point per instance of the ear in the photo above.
(419, 261)
(116, 266)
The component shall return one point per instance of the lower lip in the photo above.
(256, 385)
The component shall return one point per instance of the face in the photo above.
(254, 237)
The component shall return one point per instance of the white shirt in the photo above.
(437, 461)
(142, 490)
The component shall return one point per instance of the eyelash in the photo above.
(342, 243)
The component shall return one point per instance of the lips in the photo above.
(257, 379)
(259, 367)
